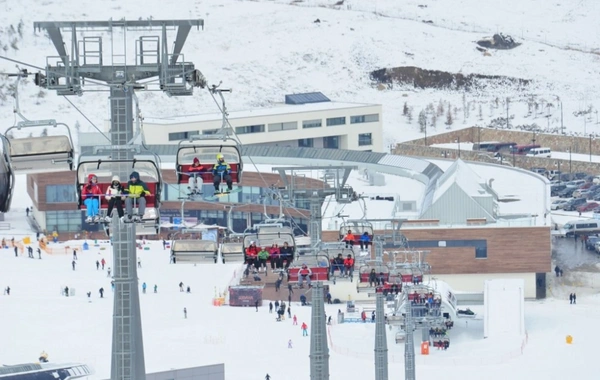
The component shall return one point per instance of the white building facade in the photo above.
(324, 124)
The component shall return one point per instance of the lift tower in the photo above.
(121, 73)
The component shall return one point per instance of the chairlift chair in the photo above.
(41, 154)
(105, 168)
(268, 234)
(7, 176)
(205, 148)
(194, 251)
(358, 228)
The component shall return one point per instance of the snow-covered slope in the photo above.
(266, 49)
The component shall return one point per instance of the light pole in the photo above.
(425, 130)
(590, 148)
(570, 162)
(458, 142)
(513, 154)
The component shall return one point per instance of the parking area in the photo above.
(571, 254)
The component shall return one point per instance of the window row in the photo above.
(176, 136)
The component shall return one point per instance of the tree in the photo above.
(44, 132)
(440, 108)
(449, 117)
(434, 120)
(405, 109)
(422, 121)
(465, 107)
(410, 115)
(480, 112)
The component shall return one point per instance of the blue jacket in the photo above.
(221, 168)
(364, 238)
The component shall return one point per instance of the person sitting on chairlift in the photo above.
(195, 182)
(136, 190)
(349, 239)
(364, 241)
(222, 172)
(92, 194)
(114, 198)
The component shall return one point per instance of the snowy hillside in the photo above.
(266, 49)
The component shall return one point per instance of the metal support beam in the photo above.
(59, 44)
(319, 351)
(409, 343)
(316, 219)
(182, 34)
(381, 350)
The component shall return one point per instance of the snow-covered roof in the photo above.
(461, 174)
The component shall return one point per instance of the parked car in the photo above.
(558, 204)
(567, 192)
(590, 242)
(587, 206)
(555, 189)
(574, 203)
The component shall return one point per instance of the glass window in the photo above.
(336, 121)
(64, 221)
(60, 194)
(210, 131)
(306, 143)
(481, 252)
(175, 136)
(250, 129)
(331, 142)
(364, 139)
(364, 118)
(317, 123)
(283, 126)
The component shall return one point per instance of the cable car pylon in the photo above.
(176, 77)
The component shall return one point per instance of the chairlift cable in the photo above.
(86, 118)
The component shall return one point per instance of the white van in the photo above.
(586, 226)
(540, 152)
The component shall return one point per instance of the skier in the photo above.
(101, 291)
(270, 307)
(103, 262)
(27, 211)
(155, 288)
(66, 291)
(304, 328)
(289, 310)
(39, 252)
(137, 190)
(329, 320)
(7, 290)
(89, 294)
(108, 272)
(195, 182)
(73, 264)
(181, 286)
(74, 255)
(97, 264)
(91, 193)
(16, 252)
(164, 244)
(115, 199)
(139, 262)
(295, 320)
(188, 290)
(144, 288)
(184, 313)
(256, 304)
(290, 343)
(267, 377)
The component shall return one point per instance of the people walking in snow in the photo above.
(188, 290)
(101, 291)
(27, 211)
(181, 286)
(574, 298)
(39, 252)
(295, 320)
(98, 265)
(144, 288)
(73, 263)
(89, 294)
(270, 307)
(103, 262)
(155, 288)
(139, 262)
(108, 272)
(184, 313)
(290, 343)
(16, 251)
(7, 291)
(304, 328)
(571, 298)
(267, 377)
(164, 244)
(289, 311)
(74, 255)
(256, 304)
(66, 291)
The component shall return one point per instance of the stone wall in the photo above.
(559, 143)
(523, 162)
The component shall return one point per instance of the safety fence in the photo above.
(429, 360)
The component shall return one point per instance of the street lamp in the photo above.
(590, 148)
(458, 142)
(570, 162)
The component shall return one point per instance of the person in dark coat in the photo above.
(270, 307)
(256, 304)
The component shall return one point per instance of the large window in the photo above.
(60, 194)
(306, 143)
(331, 142)
(317, 123)
(63, 221)
(336, 121)
(250, 129)
(210, 131)
(365, 139)
(175, 136)
(291, 125)
(364, 118)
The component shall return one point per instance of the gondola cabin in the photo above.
(41, 154)
(205, 151)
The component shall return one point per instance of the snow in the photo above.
(336, 56)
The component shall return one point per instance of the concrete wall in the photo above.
(208, 372)
(476, 282)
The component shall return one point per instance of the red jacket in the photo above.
(252, 251)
